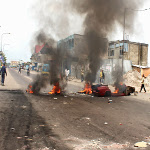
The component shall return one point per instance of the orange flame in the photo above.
(116, 91)
(56, 89)
(87, 89)
(29, 90)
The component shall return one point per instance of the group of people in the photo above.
(101, 76)
(28, 70)
(102, 79)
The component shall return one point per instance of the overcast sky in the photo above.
(18, 18)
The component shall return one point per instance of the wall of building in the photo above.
(145, 71)
(144, 61)
(136, 52)
(133, 54)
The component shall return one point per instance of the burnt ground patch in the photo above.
(21, 127)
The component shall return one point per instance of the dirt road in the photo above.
(69, 122)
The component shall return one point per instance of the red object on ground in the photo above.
(118, 94)
(101, 90)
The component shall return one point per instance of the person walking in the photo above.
(3, 72)
(142, 83)
(19, 69)
(102, 77)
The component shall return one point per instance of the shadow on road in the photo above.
(21, 127)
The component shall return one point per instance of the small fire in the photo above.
(87, 89)
(120, 88)
(116, 90)
(56, 89)
(29, 90)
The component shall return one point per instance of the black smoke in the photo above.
(100, 22)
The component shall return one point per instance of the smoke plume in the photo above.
(100, 21)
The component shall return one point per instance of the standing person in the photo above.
(102, 77)
(19, 69)
(142, 84)
(82, 75)
(28, 71)
(3, 72)
(67, 74)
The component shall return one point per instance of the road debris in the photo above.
(29, 139)
(12, 129)
(42, 125)
(25, 136)
(46, 148)
(106, 123)
(65, 103)
(19, 137)
(55, 97)
(24, 107)
(110, 101)
(141, 144)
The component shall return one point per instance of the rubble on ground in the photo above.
(141, 144)
(133, 78)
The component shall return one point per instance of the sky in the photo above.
(18, 18)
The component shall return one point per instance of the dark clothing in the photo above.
(82, 78)
(3, 78)
(142, 86)
(19, 70)
(28, 71)
(3, 72)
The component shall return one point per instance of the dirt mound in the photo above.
(132, 78)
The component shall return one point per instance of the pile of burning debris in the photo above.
(97, 90)
(56, 89)
(103, 90)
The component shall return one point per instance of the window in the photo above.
(112, 46)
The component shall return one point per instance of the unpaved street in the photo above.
(69, 122)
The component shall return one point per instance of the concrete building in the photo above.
(14, 63)
(136, 52)
(41, 55)
(76, 51)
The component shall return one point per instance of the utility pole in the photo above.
(123, 39)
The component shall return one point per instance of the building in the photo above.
(14, 63)
(136, 52)
(42, 55)
(75, 50)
